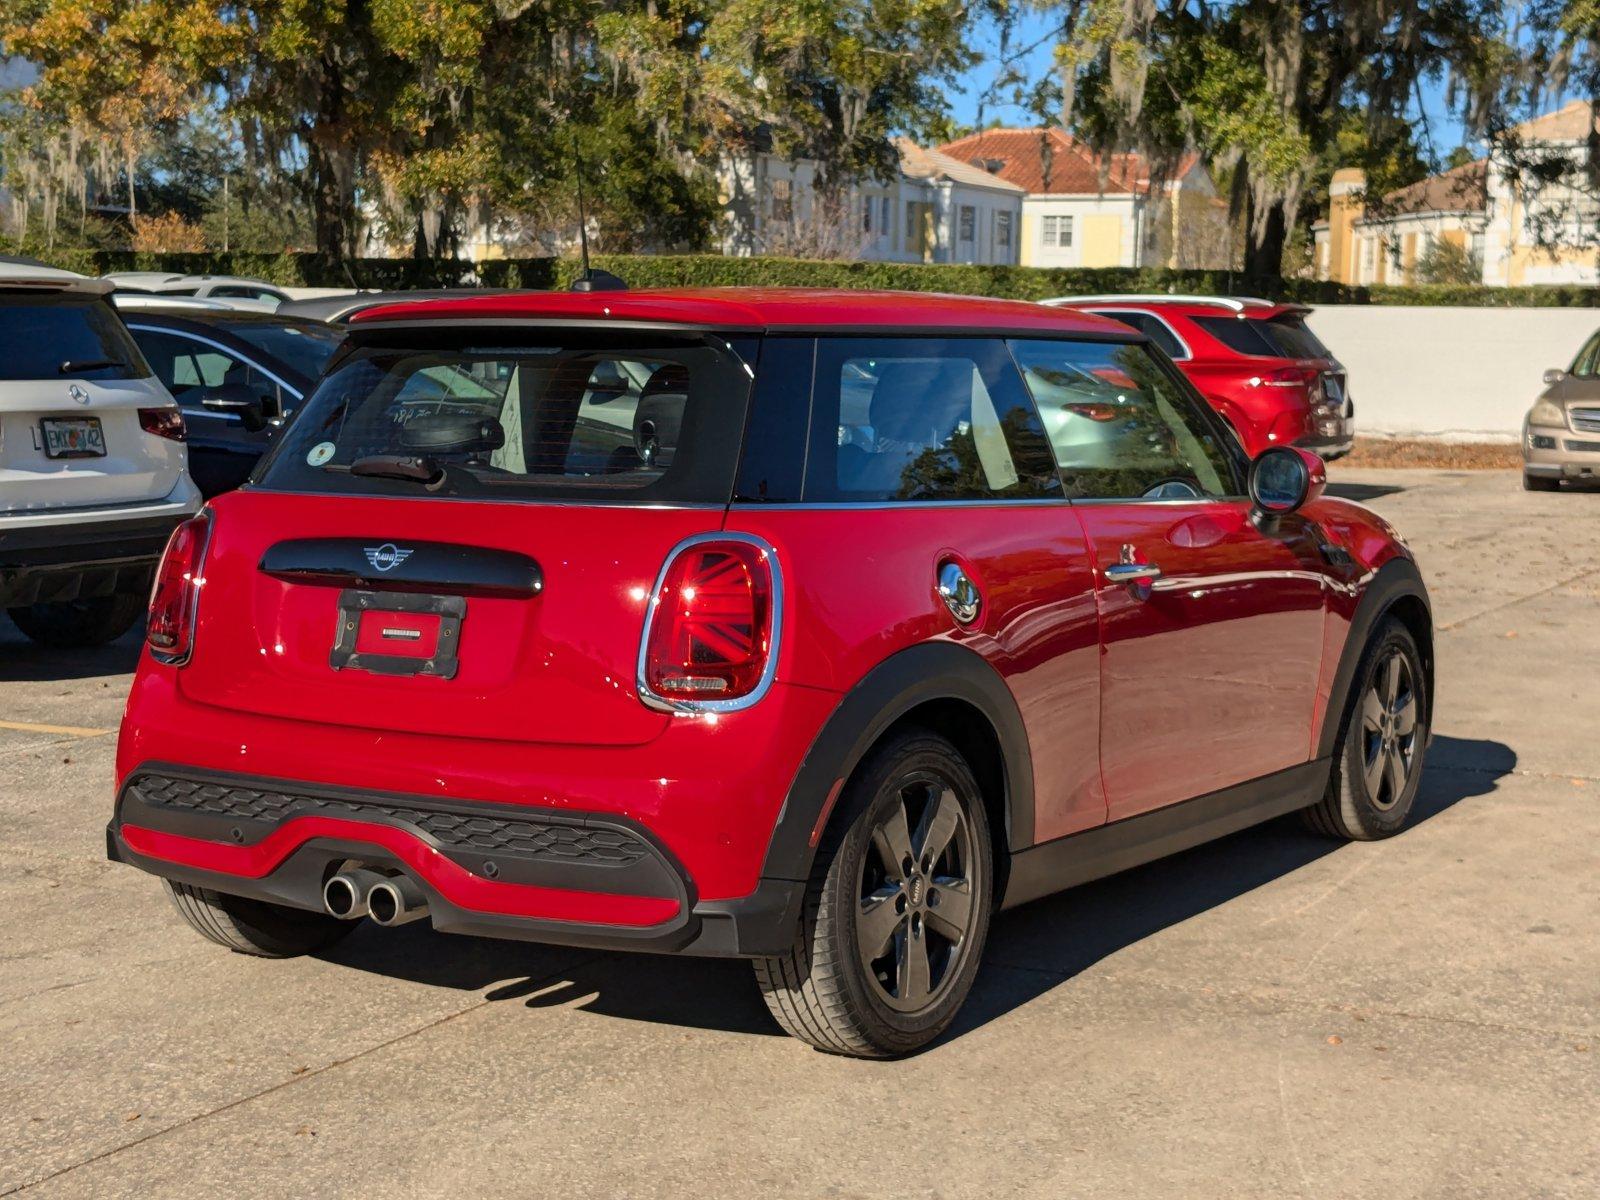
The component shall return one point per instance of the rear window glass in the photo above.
(65, 336)
(306, 348)
(1241, 335)
(583, 416)
(1294, 338)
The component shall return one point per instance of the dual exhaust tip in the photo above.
(387, 899)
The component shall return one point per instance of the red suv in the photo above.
(753, 623)
(1258, 363)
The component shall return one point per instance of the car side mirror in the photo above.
(1554, 375)
(241, 400)
(1282, 479)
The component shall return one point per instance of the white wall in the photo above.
(1462, 373)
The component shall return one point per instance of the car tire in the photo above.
(1377, 761)
(254, 926)
(65, 624)
(913, 799)
(1539, 483)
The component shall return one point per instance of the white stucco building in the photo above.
(935, 209)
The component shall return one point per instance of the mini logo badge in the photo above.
(386, 557)
(78, 394)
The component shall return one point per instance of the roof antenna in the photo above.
(591, 280)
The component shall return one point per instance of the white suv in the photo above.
(93, 469)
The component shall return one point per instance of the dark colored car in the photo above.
(1256, 362)
(238, 376)
(823, 673)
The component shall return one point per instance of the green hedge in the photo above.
(1017, 283)
(716, 270)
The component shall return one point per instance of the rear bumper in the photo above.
(56, 556)
(488, 870)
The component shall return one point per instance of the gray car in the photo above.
(1561, 433)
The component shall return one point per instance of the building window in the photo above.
(1002, 230)
(885, 213)
(969, 223)
(866, 214)
(1057, 231)
(782, 201)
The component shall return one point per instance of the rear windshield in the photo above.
(62, 335)
(1294, 338)
(306, 348)
(584, 415)
(1283, 337)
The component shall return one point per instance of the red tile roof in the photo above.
(1049, 161)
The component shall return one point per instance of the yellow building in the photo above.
(1519, 230)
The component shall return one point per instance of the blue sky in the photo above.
(1445, 128)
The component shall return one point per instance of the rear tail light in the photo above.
(164, 423)
(711, 630)
(175, 599)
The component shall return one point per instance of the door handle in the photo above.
(1124, 572)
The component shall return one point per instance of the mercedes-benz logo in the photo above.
(386, 557)
(78, 394)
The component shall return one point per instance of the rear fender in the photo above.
(932, 671)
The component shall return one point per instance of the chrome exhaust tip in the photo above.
(395, 900)
(345, 895)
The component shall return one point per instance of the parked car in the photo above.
(92, 478)
(841, 668)
(1561, 433)
(238, 376)
(1258, 364)
(340, 309)
(234, 290)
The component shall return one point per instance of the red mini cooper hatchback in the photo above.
(753, 623)
(1256, 362)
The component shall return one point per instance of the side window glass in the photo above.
(1121, 427)
(1586, 361)
(1152, 327)
(920, 419)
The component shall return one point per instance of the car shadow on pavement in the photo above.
(1032, 950)
(1362, 492)
(25, 661)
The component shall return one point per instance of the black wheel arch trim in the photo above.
(928, 672)
(1396, 580)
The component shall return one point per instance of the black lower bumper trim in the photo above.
(509, 844)
(80, 562)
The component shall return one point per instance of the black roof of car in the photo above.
(339, 309)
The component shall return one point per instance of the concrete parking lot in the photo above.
(1272, 1015)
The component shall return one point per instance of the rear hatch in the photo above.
(72, 383)
(459, 533)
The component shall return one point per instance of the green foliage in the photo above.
(1449, 263)
(716, 270)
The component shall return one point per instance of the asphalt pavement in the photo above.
(1272, 1015)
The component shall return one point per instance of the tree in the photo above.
(1257, 85)
(1449, 262)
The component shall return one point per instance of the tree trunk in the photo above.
(1263, 251)
(333, 168)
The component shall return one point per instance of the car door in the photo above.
(1211, 626)
(223, 448)
(925, 453)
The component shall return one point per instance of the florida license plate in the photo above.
(73, 437)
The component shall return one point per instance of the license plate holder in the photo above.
(357, 605)
(72, 437)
